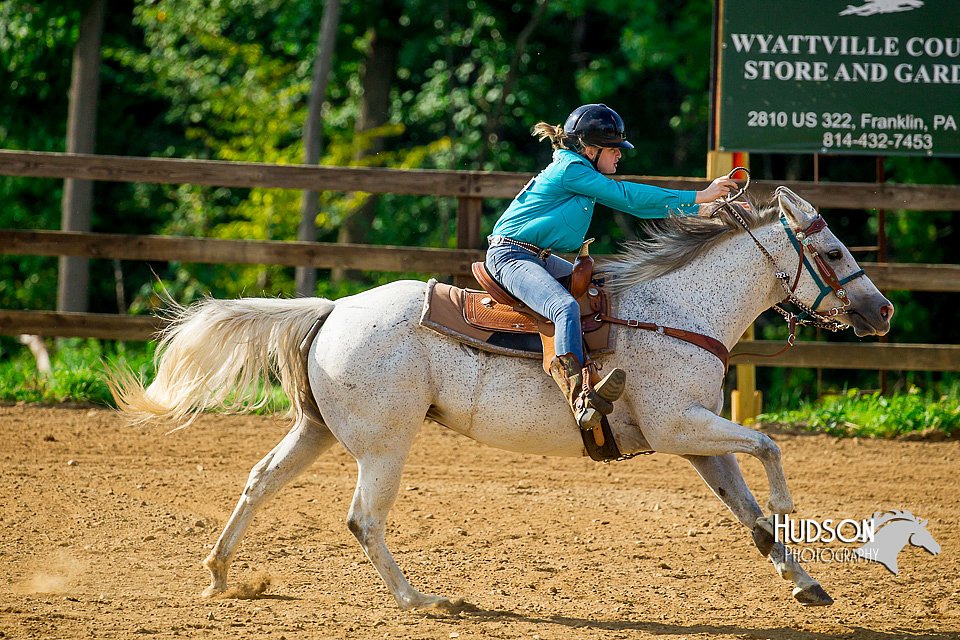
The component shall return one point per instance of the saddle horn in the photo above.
(582, 271)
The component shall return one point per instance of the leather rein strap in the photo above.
(707, 343)
(801, 241)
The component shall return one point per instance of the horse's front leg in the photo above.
(703, 433)
(722, 474)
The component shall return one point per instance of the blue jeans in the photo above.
(534, 282)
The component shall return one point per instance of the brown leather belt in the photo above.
(541, 253)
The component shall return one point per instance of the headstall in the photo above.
(822, 273)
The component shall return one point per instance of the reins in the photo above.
(823, 276)
(705, 342)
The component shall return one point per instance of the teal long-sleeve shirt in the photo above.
(555, 208)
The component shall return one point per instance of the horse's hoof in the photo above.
(211, 592)
(764, 536)
(812, 596)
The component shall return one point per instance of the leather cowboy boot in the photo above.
(588, 407)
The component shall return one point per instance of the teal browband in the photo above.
(825, 289)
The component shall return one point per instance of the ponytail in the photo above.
(557, 137)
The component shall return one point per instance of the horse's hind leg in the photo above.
(722, 474)
(298, 449)
(378, 481)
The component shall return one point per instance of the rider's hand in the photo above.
(717, 189)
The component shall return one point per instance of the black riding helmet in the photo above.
(596, 125)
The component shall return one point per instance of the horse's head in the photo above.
(922, 538)
(831, 281)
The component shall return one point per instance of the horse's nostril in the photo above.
(886, 311)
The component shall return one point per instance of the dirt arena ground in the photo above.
(103, 528)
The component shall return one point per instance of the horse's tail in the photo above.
(223, 353)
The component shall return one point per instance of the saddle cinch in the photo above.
(495, 321)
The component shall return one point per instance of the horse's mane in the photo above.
(675, 241)
(880, 519)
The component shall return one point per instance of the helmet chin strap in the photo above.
(595, 161)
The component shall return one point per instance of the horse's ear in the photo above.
(795, 207)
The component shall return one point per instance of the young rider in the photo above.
(552, 213)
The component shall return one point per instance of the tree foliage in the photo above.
(229, 79)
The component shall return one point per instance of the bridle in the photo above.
(820, 271)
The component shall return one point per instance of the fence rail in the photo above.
(320, 255)
(459, 184)
(324, 255)
(469, 188)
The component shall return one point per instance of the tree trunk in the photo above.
(378, 73)
(306, 277)
(74, 278)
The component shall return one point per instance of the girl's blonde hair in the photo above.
(558, 139)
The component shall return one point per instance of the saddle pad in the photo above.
(443, 312)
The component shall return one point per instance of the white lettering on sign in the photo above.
(768, 43)
(875, 48)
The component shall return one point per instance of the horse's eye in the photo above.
(835, 254)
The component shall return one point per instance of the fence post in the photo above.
(469, 210)
(745, 401)
(468, 223)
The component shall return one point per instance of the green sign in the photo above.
(878, 77)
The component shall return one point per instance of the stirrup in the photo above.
(590, 409)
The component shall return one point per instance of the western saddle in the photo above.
(497, 310)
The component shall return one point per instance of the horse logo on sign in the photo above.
(872, 7)
(898, 528)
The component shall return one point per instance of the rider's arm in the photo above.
(640, 200)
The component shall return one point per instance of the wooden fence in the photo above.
(469, 188)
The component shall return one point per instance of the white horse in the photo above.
(372, 375)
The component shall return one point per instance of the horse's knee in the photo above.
(767, 449)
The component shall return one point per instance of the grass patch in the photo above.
(79, 373)
(871, 415)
